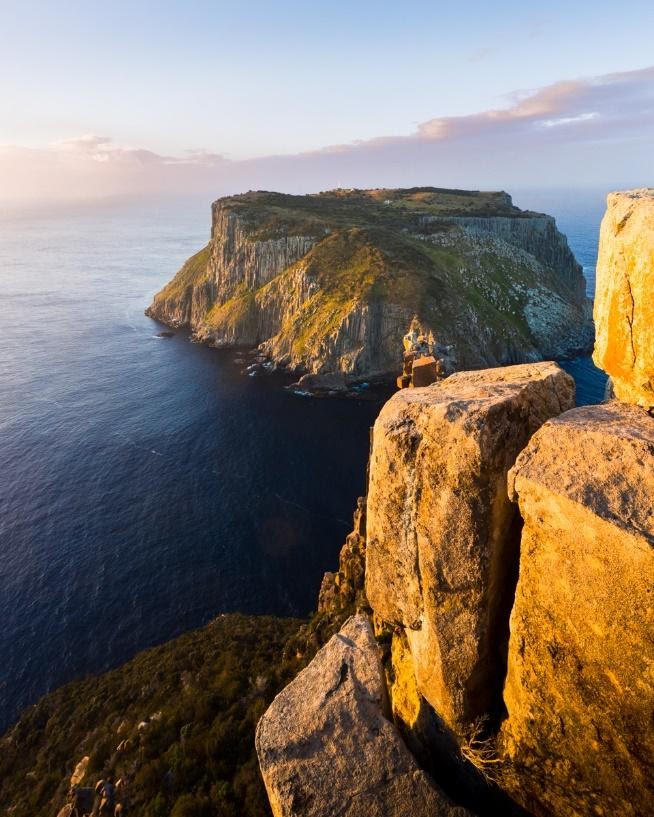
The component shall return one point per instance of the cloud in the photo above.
(481, 54)
(624, 99)
(589, 131)
(102, 149)
(87, 144)
(567, 120)
(203, 157)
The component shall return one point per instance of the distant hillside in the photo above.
(330, 283)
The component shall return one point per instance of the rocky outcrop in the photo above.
(241, 260)
(510, 567)
(537, 235)
(331, 283)
(442, 533)
(326, 745)
(579, 691)
(624, 307)
(344, 590)
(580, 684)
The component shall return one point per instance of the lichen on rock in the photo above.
(442, 543)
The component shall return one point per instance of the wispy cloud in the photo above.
(481, 54)
(568, 120)
(102, 149)
(624, 100)
(569, 132)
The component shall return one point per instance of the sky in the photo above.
(130, 98)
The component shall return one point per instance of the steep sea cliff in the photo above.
(506, 573)
(329, 284)
(170, 721)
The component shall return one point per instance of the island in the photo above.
(328, 285)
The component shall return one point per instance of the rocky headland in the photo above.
(327, 285)
(485, 646)
(508, 574)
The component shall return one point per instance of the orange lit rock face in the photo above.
(580, 685)
(624, 300)
(442, 533)
(425, 371)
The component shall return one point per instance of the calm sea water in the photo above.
(145, 484)
(578, 215)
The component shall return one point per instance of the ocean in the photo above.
(578, 214)
(146, 484)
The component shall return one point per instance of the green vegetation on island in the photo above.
(330, 283)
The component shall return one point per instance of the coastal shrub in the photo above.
(192, 805)
(176, 723)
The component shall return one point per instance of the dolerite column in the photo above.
(579, 738)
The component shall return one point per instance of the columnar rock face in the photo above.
(580, 684)
(238, 261)
(442, 544)
(331, 283)
(326, 746)
(624, 302)
(537, 236)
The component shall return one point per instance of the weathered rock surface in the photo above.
(330, 283)
(442, 543)
(624, 302)
(424, 371)
(580, 684)
(537, 236)
(326, 746)
(79, 772)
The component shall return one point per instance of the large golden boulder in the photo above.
(443, 536)
(624, 299)
(327, 746)
(579, 739)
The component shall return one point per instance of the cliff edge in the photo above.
(509, 570)
(330, 283)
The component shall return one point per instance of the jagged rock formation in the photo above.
(326, 745)
(344, 590)
(330, 283)
(442, 533)
(342, 593)
(624, 307)
(537, 236)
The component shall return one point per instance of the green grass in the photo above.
(271, 215)
(194, 271)
(344, 267)
(234, 312)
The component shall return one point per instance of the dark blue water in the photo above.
(145, 484)
(578, 215)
